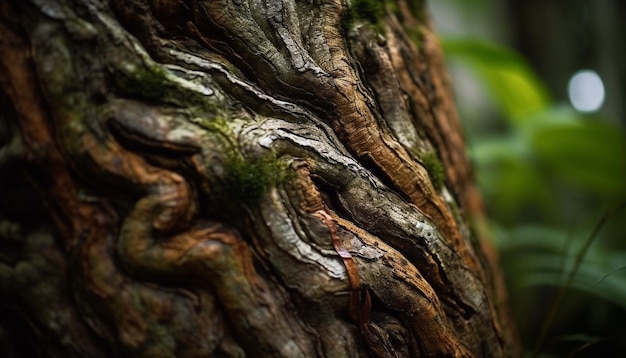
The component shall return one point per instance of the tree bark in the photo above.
(236, 178)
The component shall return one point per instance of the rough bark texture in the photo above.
(264, 178)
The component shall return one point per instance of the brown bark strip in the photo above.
(422, 76)
(428, 321)
(359, 304)
(355, 306)
(439, 338)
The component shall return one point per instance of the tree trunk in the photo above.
(236, 178)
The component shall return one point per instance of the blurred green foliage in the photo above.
(547, 173)
(509, 80)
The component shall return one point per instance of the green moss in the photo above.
(435, 169)
(455, 211)
(368, 10)
(147, 84)
(365, 10)
(216, 123)
(417, 8)
(248, 181)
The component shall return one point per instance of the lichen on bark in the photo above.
(237, 178)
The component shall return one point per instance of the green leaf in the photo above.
(508, 178)
(543, 256)
(587, 153)
(513, 85)
(612, 291)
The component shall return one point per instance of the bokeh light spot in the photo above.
(586, 91)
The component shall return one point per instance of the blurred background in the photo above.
(540, 86)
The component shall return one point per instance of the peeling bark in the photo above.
(235, 178)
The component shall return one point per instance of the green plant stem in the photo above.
(609, 274)
(558, 298)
